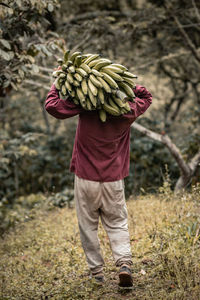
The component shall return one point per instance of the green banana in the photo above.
(86, 68)
(111, 102)
(56, 73)
(62, 75)
(114, 69)
(127, 89)
(100, 96)
(80, 95)
(94, 62)
(83, 104)
(110, 81)
(66, 55)
(85, 56)
(95, 81)
(82, 72)
(127, 107)
(99, 105)
(71, 69)
(78, 77)
(63, 90)
(88, 104)
(128, 74)
(129, 81)
(102, 63)
(105, 86)
(111, 110)
(69, 63)
(76, 83)
(73, 56)
(123, 110)
(60, 61)
(56, 83)
(64, 67)
(78, 60)
(112, 74)
(118, 101)
(73, 94)
(96, 73)
(70, 78)
(92, 98)
(102, 115)
(84, 86)
(120, 67)
(68, 86)
(92, 87)
(90, 58)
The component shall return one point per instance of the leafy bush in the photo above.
(25, 35)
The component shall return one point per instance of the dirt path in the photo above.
(43, 258)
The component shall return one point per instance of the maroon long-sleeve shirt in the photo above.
(101, 150)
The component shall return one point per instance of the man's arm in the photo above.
(59, 108)
(143, 100)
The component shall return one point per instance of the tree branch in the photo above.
(187, 38)
(176, 154)
(95, 14)
(46, 69)
(195, 162)
(43, 76)
(168, 143)
(153, 135)
(115, 13)
(187, 170)
(44, 113)
(34, 83)
(196, 9)
(165, 58)
(83, 42)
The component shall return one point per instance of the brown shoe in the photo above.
(99, 278)
(125, 276)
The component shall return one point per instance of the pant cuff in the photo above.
(97, 270)
(123, 260)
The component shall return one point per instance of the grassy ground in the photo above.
(43, 258)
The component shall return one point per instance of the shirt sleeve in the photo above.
(59, 108)
(142, 100)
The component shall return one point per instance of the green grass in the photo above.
(43, 258)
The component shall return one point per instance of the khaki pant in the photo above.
(105, 200)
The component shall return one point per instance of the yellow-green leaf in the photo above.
(5, 43)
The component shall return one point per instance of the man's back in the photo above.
(101, 150)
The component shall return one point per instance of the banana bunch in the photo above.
(95, 83)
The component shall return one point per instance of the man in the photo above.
(100, 161)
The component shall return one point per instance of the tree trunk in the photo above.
(187, 170)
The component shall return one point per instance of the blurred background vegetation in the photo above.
(157, 40)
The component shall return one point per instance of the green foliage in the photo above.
(35, 162)
(43, 257)
(147, 41)
(26, 40)
(63, 198)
